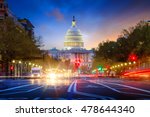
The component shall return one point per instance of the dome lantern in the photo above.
(73, 22)
(73, 38)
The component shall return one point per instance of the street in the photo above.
(74, 89)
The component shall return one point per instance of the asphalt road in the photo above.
(74, 89)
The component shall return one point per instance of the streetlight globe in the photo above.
(13, 61)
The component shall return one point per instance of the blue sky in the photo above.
(98, 20)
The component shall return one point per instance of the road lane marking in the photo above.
(118, 90)
(91, 86)
(106, 86)
(23, 91)
(12, 88)
(70, 87)
(34, 89)
(131, 87)
(90, 95)
(1, 80)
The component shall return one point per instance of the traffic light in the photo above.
(77, 63)
(100, 68)
(11, 68)
(133, 57)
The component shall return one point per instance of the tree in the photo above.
(104, 54)
(122, 49)
(15, 43)
(134, 41)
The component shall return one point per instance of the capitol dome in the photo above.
(73, 37)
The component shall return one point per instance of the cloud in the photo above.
(57, 14)
(100, 19)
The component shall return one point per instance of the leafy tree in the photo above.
(122, 49)
(138, 40)
(15, 43)
(135, 40)
(104, 53)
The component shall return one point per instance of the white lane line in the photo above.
(118, 90)
(1, 80)
(34, 89)
(91, 86)
(9, 89)
(106, 86)
(23, 91)
(90, 95)
(131, 87)
(70, 87)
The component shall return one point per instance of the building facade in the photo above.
(28, 26)
(73, 37)
(74, 50)
(3, 9)
(21, 25)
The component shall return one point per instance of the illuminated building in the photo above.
(73, 38)
(74, 50)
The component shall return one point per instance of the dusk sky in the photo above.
(98, 20)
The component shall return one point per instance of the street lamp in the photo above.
(13, 61)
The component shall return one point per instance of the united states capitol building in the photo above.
(74, 49)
